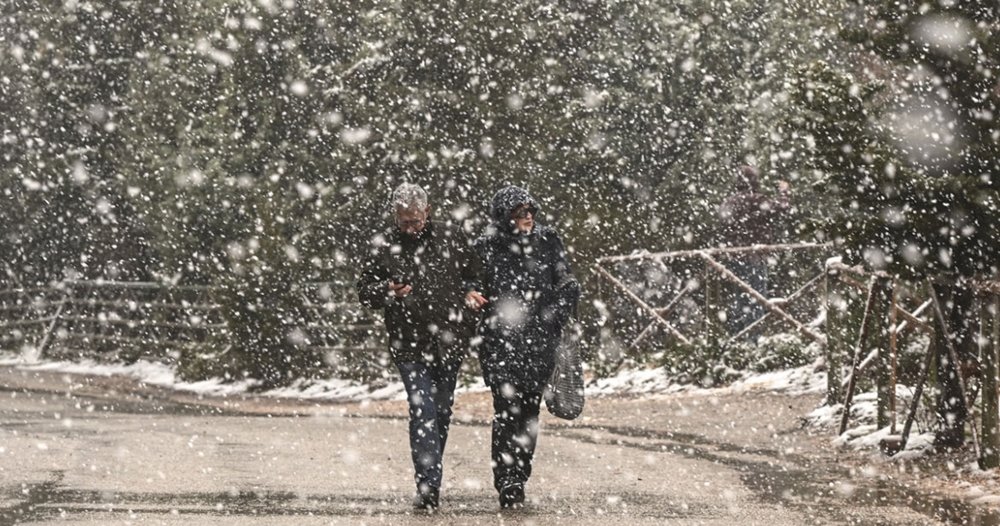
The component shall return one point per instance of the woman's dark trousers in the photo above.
(515, 433)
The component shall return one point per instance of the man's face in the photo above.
(524, 218)
(411, 221)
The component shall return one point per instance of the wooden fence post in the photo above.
(56, 319)
(881, 327)
(925, 366)
(834, 340)
(954, 357)
(894, 350)
(856, 361)
(990, 457)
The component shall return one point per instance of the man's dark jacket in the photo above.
(749, 218)
(531, 294)
(431, 323)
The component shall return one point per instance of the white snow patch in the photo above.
(865, 434)
(163, 375)
(656, 381)
(801, 380)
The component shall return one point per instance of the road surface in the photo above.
(78, 450)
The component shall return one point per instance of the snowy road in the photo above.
(105, 451)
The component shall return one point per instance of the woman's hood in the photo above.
(506, 200)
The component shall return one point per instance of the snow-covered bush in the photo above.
(706, 363)
(709, 362)
(780, 351)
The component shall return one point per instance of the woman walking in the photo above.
(528, 294)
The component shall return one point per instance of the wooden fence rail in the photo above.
(712, 263)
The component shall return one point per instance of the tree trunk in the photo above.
(957, 304)
(990, 329)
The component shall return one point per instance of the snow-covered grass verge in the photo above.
(646, 381)
(861, 434)
(163, 375)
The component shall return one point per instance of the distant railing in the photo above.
(114, 319)
(692, 283)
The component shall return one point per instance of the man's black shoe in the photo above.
(426, 500)
(512, 496)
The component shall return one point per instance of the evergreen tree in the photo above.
(906, 138)
(63, 66)
(945, 127)
(176, 138)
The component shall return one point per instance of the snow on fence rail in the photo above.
(114, 319)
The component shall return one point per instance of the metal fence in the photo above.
(127, 320)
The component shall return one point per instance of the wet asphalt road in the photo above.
(83, 452)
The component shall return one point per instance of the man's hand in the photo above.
(474, 300)
(399, 290)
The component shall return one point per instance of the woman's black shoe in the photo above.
(426, 500)
(512, 496)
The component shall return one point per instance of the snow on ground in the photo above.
(627, 382)
(644, 381)
(864, 434)
(861, 433)
(163, 375)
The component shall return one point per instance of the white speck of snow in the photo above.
(305, 191)
(515, 101)
(948, 34)
(299, 88)
(355, 135)
(80, 174)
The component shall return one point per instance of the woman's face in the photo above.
(524, 218)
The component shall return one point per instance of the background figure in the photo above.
(416, 275)
(748, 217)
(531, 294)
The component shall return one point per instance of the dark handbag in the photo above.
(564, 393)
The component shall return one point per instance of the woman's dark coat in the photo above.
(439, 264)
(531, 294)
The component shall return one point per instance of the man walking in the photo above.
(417, 274)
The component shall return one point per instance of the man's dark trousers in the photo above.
(430, 391)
